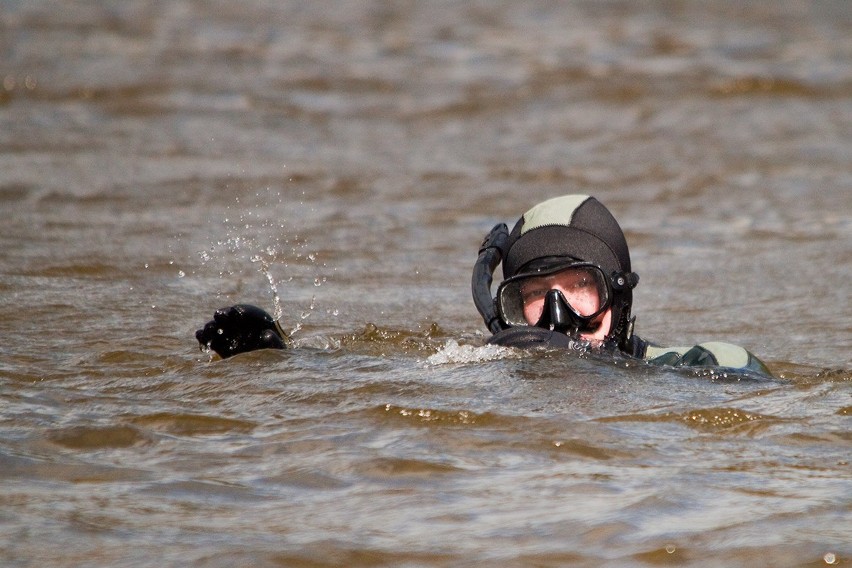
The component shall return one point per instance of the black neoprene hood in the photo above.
(576, 226)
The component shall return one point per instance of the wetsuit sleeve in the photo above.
(710, 354)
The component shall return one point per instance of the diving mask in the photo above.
(564, 298)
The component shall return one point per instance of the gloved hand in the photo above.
(523, 337)
(240, 328)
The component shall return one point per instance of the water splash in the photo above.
(452, 352)
(265, 264)
(253, 233)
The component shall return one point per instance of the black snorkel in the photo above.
(491, 253)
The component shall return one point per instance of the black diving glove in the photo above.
(523, 337)
(241, 328)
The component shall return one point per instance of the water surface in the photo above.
(338, 164)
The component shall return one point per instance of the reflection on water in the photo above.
(340, 167)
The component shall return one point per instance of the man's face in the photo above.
(582, 290)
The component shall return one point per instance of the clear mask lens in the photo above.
(521, 299)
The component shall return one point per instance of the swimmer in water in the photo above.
(567, 277)
(567, 281)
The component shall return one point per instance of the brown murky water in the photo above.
(338, 163)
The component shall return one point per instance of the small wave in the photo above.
(385, 468)
(723, 418)
(452, 352)
(380, 339)
(802, 375)
(434, 415)
(192, 424)
(778, 86)
(706, 419)
(96, 438)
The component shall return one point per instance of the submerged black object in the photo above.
(240, 328)
(491, 252)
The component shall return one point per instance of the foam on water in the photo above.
(453, 352)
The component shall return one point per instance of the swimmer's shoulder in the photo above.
(707, 354)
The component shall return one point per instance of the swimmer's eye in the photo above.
(531, 294)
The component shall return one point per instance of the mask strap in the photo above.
(624, 281)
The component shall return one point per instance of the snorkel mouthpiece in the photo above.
(557, 315)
